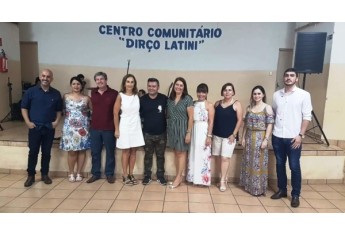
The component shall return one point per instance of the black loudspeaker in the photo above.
(16, 113)
(310, 52)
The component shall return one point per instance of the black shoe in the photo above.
(29, 181)
(110, 179)
(133, 179)
(279, 194)
(161, 180)
(147, 180)
(92, 179)
(46, 179)
(126, 181)
(295, 201)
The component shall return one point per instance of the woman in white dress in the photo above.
(128, 126)
(199, 159)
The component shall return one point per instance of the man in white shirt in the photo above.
(292, 108)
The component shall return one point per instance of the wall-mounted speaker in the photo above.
(310, 52)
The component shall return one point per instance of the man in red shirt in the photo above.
(102, 128)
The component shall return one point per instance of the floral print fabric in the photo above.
(75, 132)
(199, 159)
(254, 166)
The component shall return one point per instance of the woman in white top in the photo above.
(199, 158)
(128, 126)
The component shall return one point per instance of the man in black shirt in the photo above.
(152, 112)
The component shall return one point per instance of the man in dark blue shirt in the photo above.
(41, 109)
(153, 114)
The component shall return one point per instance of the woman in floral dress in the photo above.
(75, 134)
(199, 159)
(258, 123)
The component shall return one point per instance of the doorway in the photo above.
(29, 62)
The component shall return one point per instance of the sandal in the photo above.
(71, 178)
(222, 187)
(126, 181)
(79, 178)
(133, 179)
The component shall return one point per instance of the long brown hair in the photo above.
(185, 90)
(252, 103)
(123, 84)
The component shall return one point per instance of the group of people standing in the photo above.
(195, 130)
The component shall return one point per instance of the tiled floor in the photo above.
(100, 196)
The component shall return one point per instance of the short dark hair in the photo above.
(104, 75)
(291, 70)
(79, 80)
(83, 82)
(226, 85)
(153, 80)
(202, 88)
(81, 76)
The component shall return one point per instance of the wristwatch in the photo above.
(301, 135)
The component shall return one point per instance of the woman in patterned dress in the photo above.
(199, 159)
(180, 123)
(75, 134)
(258, 124)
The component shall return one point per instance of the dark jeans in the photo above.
(40, 137)
(154, 143)
(98, 138)
(283, 150)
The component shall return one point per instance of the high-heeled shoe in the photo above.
(223, 188)
(172, 186)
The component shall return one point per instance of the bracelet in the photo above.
(209, 136)
(187, 131)
(234, 135)
(266, 139)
